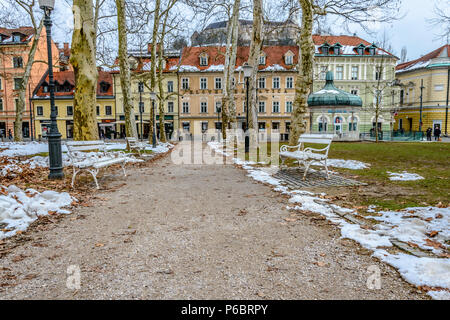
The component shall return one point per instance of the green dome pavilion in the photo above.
(331, 96)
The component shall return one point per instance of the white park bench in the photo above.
(92, 156)
(308, 156)
(136, 145)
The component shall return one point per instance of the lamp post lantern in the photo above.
(247, 73)
(54, 137)
(153, 98)
(141, 106)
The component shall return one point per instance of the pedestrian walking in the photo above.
(437, 133)
(10, 136)
(429, 133)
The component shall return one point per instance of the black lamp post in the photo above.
(54, 137)
(141, 106)
(421, 108)
(219, 110)
(247, 73)
(153, 98)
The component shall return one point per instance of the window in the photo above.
(203, 83)
(289, 82)
(372, 51)
(322, 124)
(276, 83)
(262, 83)
(360, 51)
(354, 91)
(439, 87)
(40, 110)
(218, 125)
(45, 88)
(337, 50)
(339, 73)
(218, 106)
(1, 104)
(17, 83)
(203, 107)
(69, 110)
(378, 75)
(204, 127)
(288, 106)
(0, 83)
(261, 106)
(261, 126)
(325, 50)
(186, 126)
(204, 60)
(353, 124)
(104, 87)
(170, 106)
(185, 107)
(323, 72)
(185, 83)
(275, 126)
(169, 86)
(402, 97)
(17, 62)
(276, 106)
(289, 60)
(218, 83)
(98, 110)
(355, 72)
(288, 126)
(262, 60)
(108, 110)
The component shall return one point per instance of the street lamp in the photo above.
(421, 108)
(141, 105)
(219, 110)
(54, 137)
(248, 69)
(153, 98)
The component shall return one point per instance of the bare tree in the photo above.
(83, 61)
(362, 12)
(125, 73)
(441, 19)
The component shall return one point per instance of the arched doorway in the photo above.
(323, 124)
(338, 125)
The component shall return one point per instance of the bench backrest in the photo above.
(132, 141)
(316, 138)
(76, 146)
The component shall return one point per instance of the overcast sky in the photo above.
(413, 31)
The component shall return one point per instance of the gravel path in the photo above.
(194, 232)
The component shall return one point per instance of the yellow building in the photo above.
(429, 75)
(64, 87)
(140, 66)
(201, 82)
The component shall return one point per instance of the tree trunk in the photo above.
(228, 103)
(20, 107)
(162, 131)
(153, 63)
(253, 60)
(125, 73)
(83, 61)
(305, 73)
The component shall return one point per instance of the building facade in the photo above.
(429, 77)
(64, 91)
(15, 45)
(140, 67)
(352, 60)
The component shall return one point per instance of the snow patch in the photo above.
(404, 176)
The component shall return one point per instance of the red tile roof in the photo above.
(216, 56)
(7, 33)
(69, 76)
(432, 55)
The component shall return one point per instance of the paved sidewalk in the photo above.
(195, 232)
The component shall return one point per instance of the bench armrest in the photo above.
(317, 150)
(286, 147)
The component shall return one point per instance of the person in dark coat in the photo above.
(437, 133)
(429, 132)
(10, 136)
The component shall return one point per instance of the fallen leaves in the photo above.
(19, 258)
(320, 263)
(242, 212)
(432, 234)
(99, 245)
(434, 244)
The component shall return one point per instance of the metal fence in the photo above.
(394, 136)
